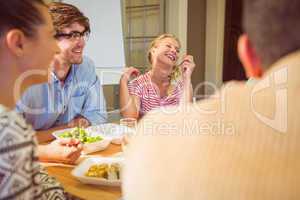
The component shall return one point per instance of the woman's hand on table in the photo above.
(65, 151)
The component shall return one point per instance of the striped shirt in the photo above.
(148, 93)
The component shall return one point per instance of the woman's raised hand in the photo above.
(187, 66)
(128, 73)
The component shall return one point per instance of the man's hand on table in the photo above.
(63, 151)
(79, 122)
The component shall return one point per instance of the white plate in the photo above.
(79, 171)
(113, 131)
(91, 147)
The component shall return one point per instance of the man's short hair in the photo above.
(64, 15)
(273, 27)
(20, 14)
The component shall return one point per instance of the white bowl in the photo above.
(112, 131)
(90, 147)
(80, 170)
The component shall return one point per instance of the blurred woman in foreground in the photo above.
(27, 46)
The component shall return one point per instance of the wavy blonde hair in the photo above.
(176, 73)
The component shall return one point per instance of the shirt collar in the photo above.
(290, 60)
(69, 78)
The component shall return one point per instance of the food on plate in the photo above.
(106, 171)
(81, 134)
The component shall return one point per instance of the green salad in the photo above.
(81, 134)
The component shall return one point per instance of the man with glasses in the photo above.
(73, 96)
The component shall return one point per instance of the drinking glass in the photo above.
(129, 125)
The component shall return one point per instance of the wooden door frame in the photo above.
(215, 27)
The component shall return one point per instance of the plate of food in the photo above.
(92, 141)
(99, 171)
(115, 132)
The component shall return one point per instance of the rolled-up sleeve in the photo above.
(94, 108)
(134, 88)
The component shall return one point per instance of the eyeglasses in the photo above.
(74, 35)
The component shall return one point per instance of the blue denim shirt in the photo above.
(52, 104)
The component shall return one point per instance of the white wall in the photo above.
(105, 46)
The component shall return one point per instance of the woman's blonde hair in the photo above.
(176, 73)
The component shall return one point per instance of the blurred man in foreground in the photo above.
(243, 143)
